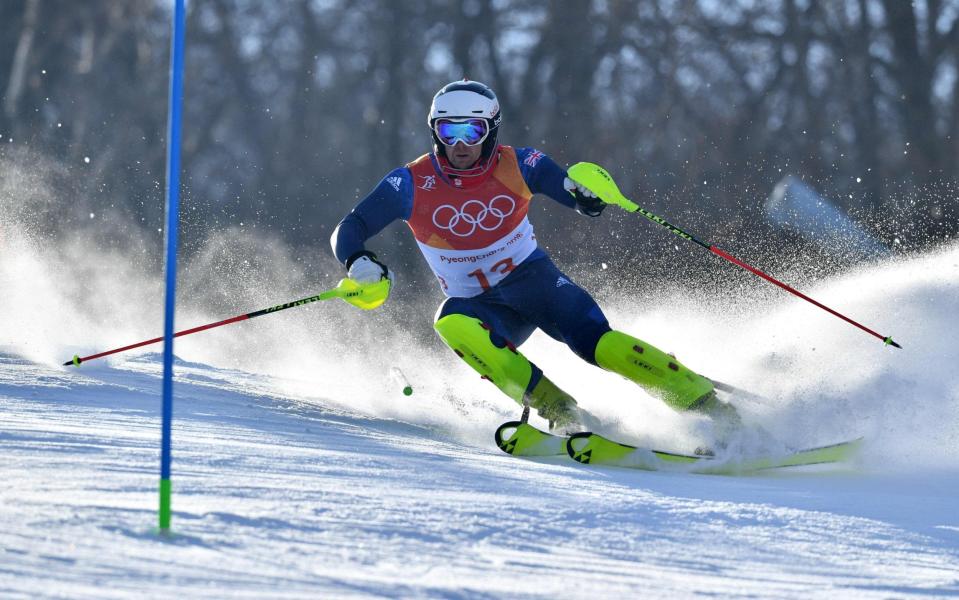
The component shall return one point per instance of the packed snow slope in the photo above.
(300, 470)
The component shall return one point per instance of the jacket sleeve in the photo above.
(391, 199)
(543, 175)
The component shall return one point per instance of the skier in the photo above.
(466, 204)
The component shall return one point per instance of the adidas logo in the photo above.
(395, 182)
(563, 281)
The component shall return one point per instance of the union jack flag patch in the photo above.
(533, 157)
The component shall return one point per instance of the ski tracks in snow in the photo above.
(277, 498)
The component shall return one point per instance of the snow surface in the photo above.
(300, 470)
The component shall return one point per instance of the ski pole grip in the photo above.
(597, 180)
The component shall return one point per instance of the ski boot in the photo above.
(664, 376)
(499, 362)
(725, 420)
(557, 407)
(729, 430)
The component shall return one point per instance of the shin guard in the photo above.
(504, 366)
(651, 368)
(510, 371)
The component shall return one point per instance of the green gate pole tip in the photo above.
(165, 493)
(408, 391)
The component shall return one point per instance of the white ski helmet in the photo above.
(466, 99)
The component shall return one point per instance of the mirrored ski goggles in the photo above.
(468, 131)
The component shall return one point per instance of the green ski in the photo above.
(590, 448)
(522, 439)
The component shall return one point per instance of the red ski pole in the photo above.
(367, 297)
(598, 180)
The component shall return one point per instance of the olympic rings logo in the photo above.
(463, 221)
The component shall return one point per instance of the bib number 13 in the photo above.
(502, 267)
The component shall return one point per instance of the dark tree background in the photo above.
(296, 108)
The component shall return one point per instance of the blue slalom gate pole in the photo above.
(172, 227)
